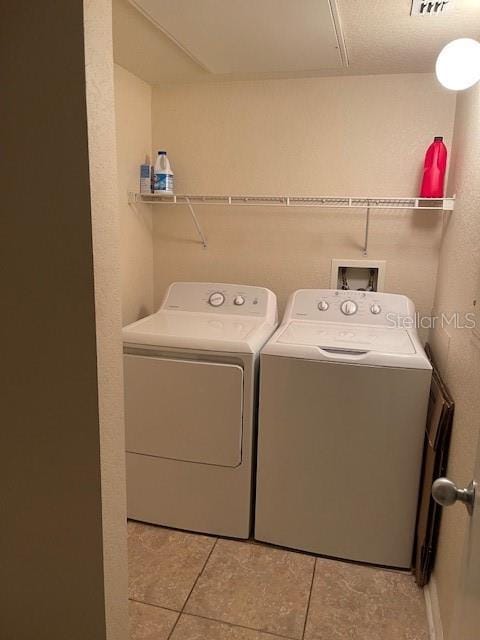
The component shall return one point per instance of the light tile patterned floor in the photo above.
(163, 564)
(185, 586)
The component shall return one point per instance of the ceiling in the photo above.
(271, 36)
(380, 37)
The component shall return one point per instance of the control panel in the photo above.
(356, 307)
(220, 298)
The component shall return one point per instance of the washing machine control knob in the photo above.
(216, 299)
(239, 300)
(375, 309)
(348, 307)
(323, 305)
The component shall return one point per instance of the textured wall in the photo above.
(52, 584)
(458, 350)
(133, 105)
(108, 321)
(328, 136)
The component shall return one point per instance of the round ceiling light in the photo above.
(458, 64)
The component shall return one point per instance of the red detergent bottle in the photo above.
(434, 169)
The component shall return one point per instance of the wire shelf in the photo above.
(326, 202)
(343, 202)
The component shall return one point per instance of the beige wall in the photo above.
(62, 465)
(457, 350)
(108, 308)
(133, 104)
(330, 136)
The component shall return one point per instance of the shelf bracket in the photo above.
(367, 230)
(196, 223)
(134, 198)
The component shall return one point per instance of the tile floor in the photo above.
(185, 586)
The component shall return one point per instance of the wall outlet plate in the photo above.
(357, 273)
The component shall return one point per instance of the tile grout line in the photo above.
(240, 626)
(202, 617)
(193, 587)
(309, 598)
(182, 611)
(152, 604)
(199, 575)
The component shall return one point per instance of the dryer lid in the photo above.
(203, 331)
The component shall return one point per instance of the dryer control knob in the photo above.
(348, 307)
(375, 309)
(323, 305)
(239, 300)
(216, 299)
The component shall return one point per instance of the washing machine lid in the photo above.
(354, 337)
(355, 343)
(199, 331)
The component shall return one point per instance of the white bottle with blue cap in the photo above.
(162, 175)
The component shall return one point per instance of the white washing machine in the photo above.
(190, 406)
(344, 389)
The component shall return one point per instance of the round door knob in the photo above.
(375, 309)
(323, 305)
(446, 493)
(239, 300)
(216, 299)
(348, 307)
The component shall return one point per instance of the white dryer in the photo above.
(343, 400)
(190, 406)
